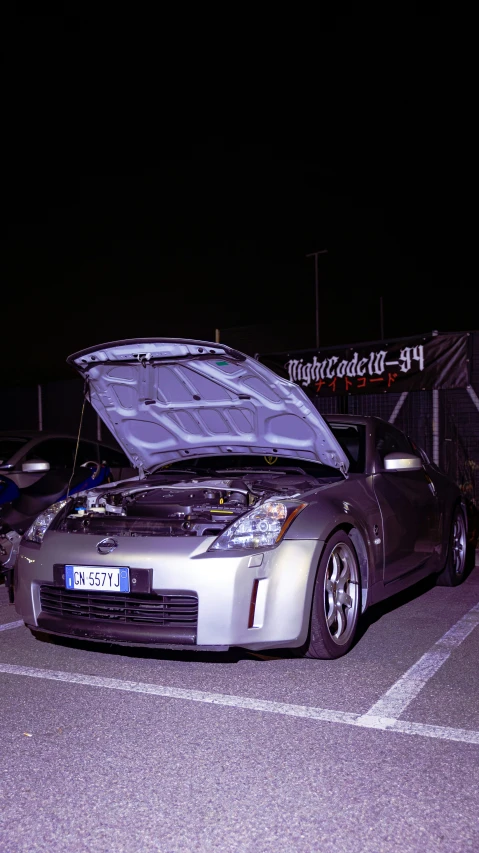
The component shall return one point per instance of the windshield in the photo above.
(9, 446)
(352, 439)
(241, 462)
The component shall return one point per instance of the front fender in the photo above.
(326, 513)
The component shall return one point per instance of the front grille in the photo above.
(168, 609)
(118, 526)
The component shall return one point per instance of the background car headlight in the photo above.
(37, 531)
(262, 527)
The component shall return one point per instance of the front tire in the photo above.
(336, 600)
(454, 571)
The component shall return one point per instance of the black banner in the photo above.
(411, 364)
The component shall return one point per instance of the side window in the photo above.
(390, 440)
(114, 458)
(59, 452)
(87, 452)
(351, 437)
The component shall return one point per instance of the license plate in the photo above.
(96, 579)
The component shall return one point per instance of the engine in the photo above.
(180, 509)
(187, 507)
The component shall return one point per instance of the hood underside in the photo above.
(169, 399)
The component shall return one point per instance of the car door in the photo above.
(409, 507)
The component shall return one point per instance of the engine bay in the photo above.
(182, 505)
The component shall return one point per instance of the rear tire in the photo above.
(454, 571)
(336, 600)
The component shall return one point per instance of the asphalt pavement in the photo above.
(115, 749)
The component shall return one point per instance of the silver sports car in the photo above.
(252, 522)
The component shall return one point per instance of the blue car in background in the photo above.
(9, 490)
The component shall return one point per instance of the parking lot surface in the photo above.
(119, 749)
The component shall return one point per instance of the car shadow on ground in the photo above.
(235, 655)
(400, 599)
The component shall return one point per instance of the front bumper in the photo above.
(130, 635)
(270, 590)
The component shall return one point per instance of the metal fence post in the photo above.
(40, 408)
(398, 406)
(473, 396)
(435, 427)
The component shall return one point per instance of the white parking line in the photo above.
(245, 703)
(424, 729)
(383, 715)
(406, 688)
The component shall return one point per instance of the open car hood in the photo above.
(168, 399)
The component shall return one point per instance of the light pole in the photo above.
(316, 286)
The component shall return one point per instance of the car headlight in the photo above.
(37, 531)
(262, 527)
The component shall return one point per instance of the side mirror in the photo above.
(35, 466)
(402, 462)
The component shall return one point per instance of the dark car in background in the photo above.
(25, 456)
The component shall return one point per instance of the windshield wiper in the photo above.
(255, 470)
(178, 471)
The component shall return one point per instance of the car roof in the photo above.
(353, 419)
(32, 433)
(28, 434)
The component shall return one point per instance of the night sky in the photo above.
(134, 206)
